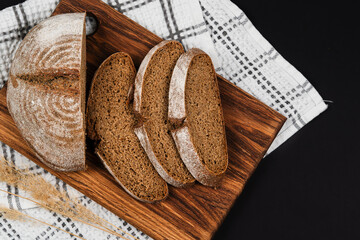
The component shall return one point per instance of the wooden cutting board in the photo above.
(192, 213)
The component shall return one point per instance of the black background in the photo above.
(309, 188)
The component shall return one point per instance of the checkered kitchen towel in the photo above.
(221, 29)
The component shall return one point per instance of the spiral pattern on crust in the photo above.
(50, 118)
(50, 121)
(64, 54)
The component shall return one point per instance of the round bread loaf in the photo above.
(46, 91)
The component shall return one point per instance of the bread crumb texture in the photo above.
(204, 114)
(111, 122)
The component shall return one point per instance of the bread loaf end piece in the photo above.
(196, 113)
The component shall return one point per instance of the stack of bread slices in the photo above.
(160, 125)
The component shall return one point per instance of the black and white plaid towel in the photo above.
(218, 27)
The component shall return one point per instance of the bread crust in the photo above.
(192, 160)
(181, 133)
(139, 80)
(140, 130)
(49, 115)
(145, 143)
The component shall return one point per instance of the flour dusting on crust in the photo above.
(49, 115)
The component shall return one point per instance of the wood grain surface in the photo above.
(192, 213)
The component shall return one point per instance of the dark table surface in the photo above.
(309, 187)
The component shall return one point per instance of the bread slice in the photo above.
(196, 114)
(46, 91)
(151, 105)
(110, 122)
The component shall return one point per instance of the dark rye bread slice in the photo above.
(196, 114)
(110, 123)
(151, 106)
